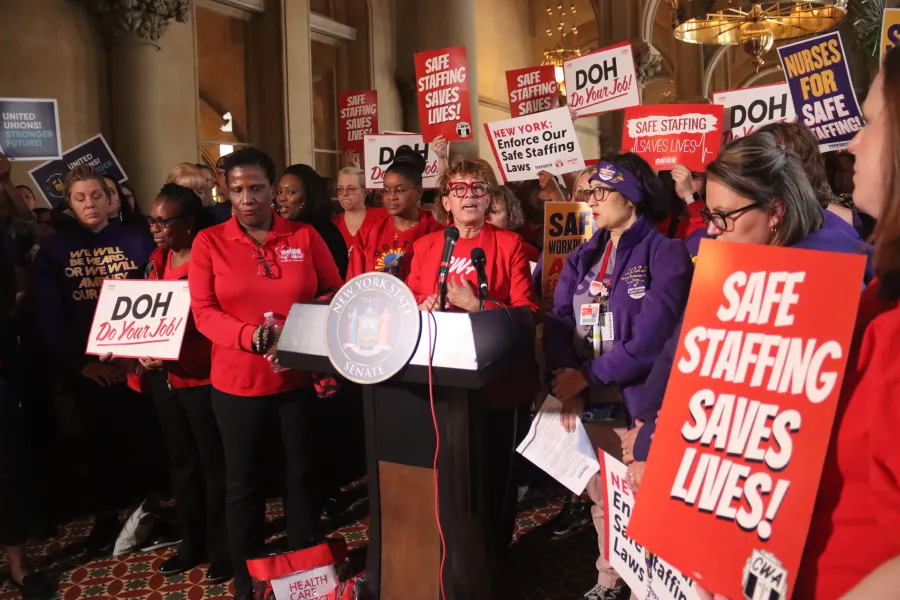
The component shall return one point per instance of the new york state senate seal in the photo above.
(372, 328)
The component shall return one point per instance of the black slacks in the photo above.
(197, 468)
(246, 424)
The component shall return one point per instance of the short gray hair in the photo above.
(762, 170)
(513, 206)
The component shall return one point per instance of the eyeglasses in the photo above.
(395, 192)
(721, 221)
(162, 223)
(263, 268)
(460, 188)
(600, 194)
(347, 190)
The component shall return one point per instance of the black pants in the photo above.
(197, 467)
(14, 513)
(342, 439)
(125, 455)
(246, 424)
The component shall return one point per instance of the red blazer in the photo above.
(508, 271)
(230, 293)
(855, 525)
(382, 243)
(192, 367)
(373, 216)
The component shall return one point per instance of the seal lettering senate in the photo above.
(372, 328)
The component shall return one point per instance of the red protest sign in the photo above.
(733, 472)
(359, 118)
(532, 90)
(442, 82)
(666, 135)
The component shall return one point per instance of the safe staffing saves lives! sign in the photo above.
(532, 90)
(359, 118)
(666, 135)
(442, 83)
(731, 481)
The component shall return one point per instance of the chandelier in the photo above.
(559, 54)
(755, 26)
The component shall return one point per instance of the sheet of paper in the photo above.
(567, 457)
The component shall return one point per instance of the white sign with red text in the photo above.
(314, 584)
(749, 109)
(139, 318)
(602, 81)
(542, 142)
(648, 576)
(379, 154)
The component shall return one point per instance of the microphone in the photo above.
(451, 234)
(479, 260)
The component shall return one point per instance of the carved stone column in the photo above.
(153, 87)
(647, 62)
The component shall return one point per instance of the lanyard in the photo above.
(601, 275)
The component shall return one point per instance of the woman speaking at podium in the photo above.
(619, 298)
(467, 199)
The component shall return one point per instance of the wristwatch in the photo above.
(695, 197)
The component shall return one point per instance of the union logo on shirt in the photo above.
(390, 260)
(287, 254)
(463, 266)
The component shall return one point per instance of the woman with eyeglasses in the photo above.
(181, 392)
(251, 265)
(466, 196)
(351, 193)
(303, 196)
(388, 245)
(617, 302)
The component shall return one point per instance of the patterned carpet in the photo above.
(541, 568)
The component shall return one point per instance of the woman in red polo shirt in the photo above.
(467, 198)
(388, 246)
(240, 270)
(181, 392)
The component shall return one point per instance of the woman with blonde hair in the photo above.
(351, 194)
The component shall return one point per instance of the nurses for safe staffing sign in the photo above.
(729, 487)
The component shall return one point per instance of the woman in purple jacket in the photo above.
(618, 300)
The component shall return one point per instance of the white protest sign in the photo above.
(749, 109)
(602, 81)
(139, 318)
(540, 142)
(306, 585)
(379, 154)
(648, 576)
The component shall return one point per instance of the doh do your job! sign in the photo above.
(733, 472)
(602, 81)
(674, 134)
(527, 145)
(136, 319)
(380, 151)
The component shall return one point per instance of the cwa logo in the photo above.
(463, 129)
(764, 577)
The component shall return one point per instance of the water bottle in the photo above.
(277, 325)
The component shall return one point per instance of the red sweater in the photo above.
(374, 215)
(229, 297)
(193, 364)
(383, 243)
(508, 271)
(856, 521)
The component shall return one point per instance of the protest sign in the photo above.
(379, 154)
(567, 225)
(526, 145)
(314, 584)
(532, 90)
(749, 109)
(94, 152)
(138, 318)
(442, 82)
(730, 484)
(30, 129)
(602, 81)
(674, 134)
(890, 30)
(647, 575)
(821, 89)
(359, 118)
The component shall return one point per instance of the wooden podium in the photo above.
(482, 373)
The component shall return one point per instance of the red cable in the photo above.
(437, 450)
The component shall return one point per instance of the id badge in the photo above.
(607, 331)
(590, 315)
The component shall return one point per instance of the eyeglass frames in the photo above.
(460, 188)
(263, 268)
(720, 220)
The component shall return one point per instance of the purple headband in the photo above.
(624, 181)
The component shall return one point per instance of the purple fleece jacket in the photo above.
(643, 319)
